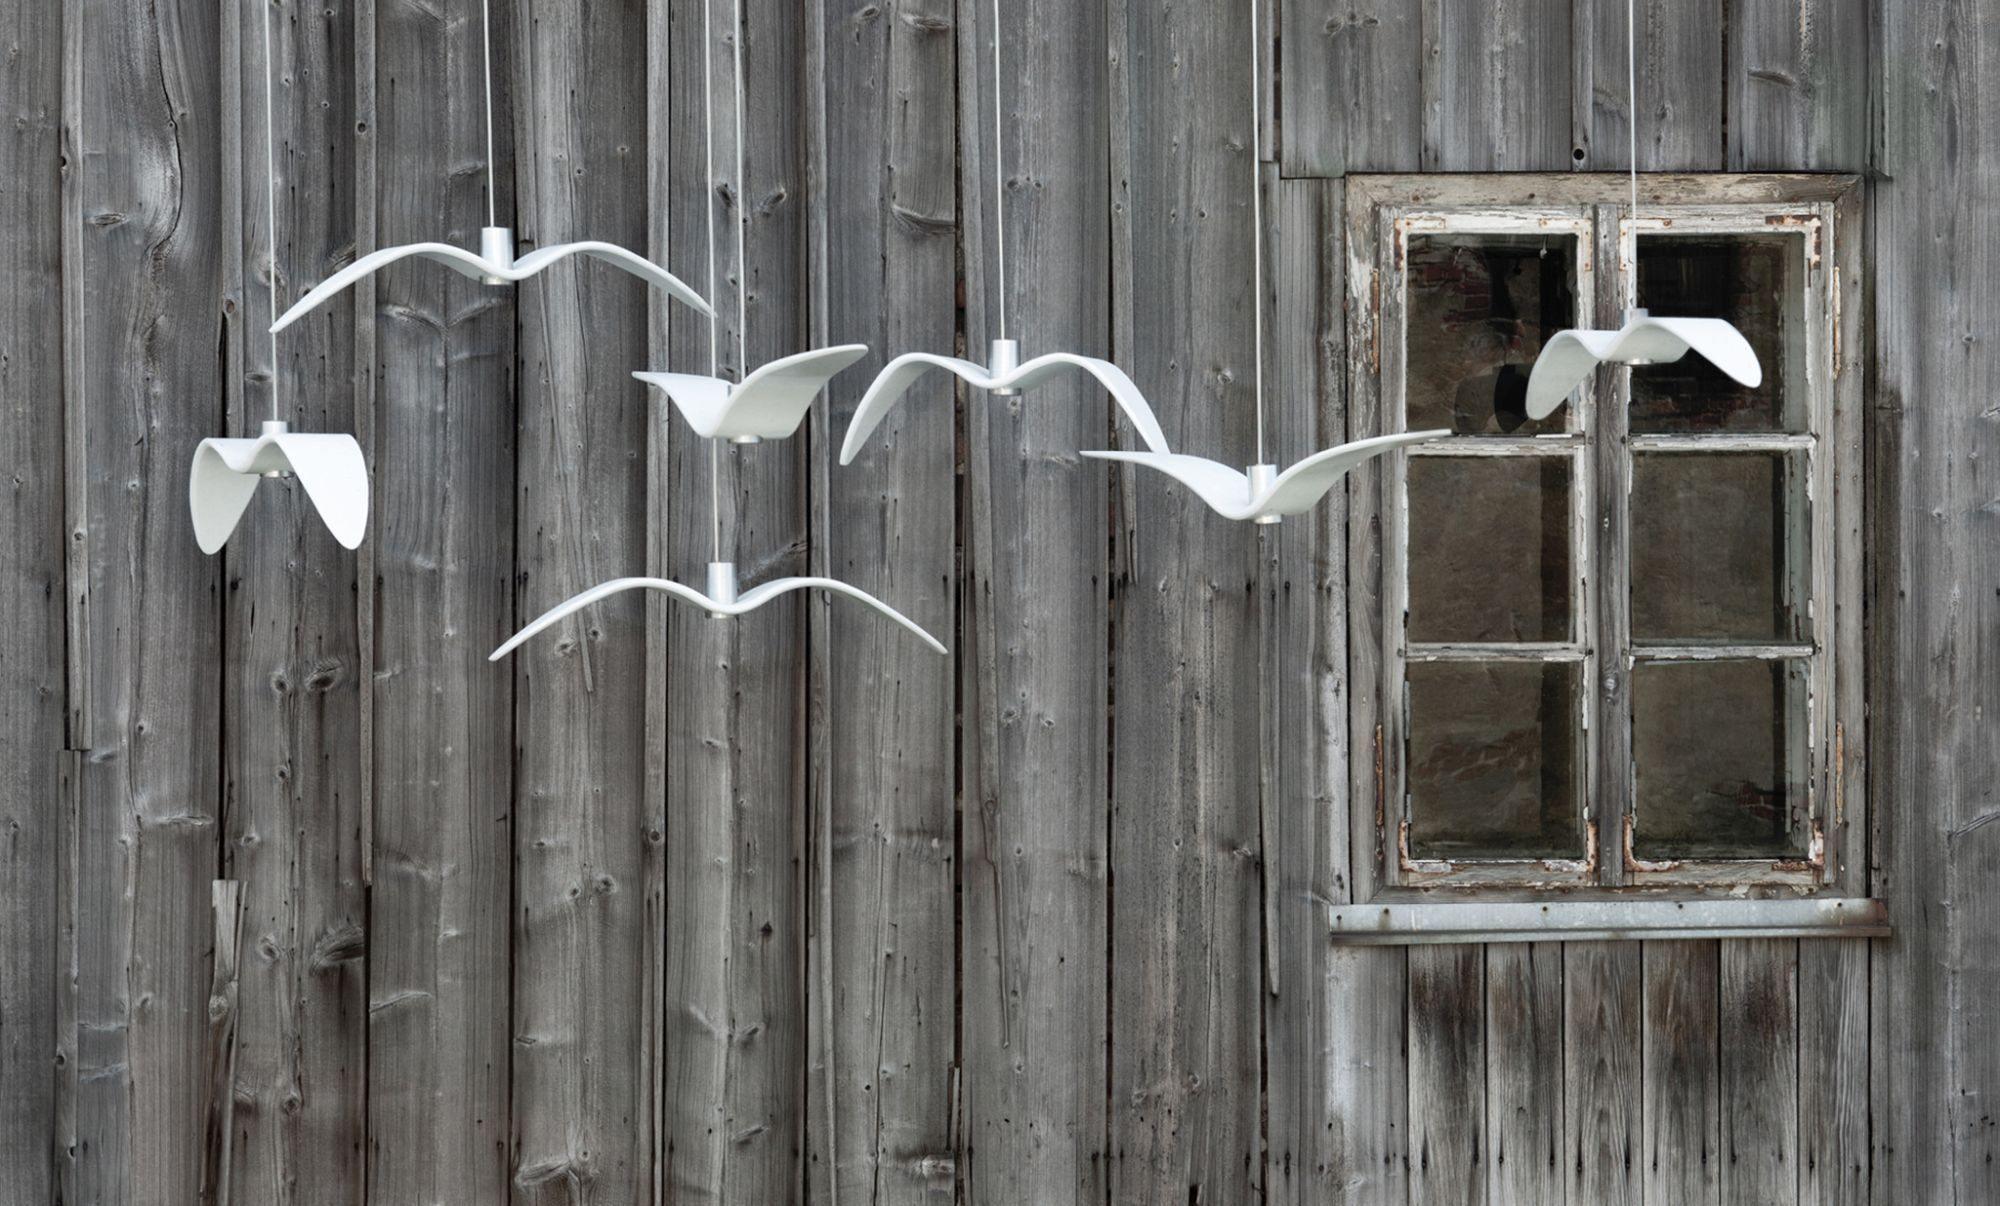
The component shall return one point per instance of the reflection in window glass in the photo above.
(1720, 758)
(1479, 309)
(1489, 548)
(1754, 281)
(1719, 551)
(1493, 765)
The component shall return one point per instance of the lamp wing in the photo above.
(217, 492)
(335, 477)
(774, 398)
(458, 259)
(1718, 341)
(1299, 488)
(702, 401)
(1124, 393)
(602, 590)
(618, 257)
(1222, 488)
(1567, 360)
(757, 596)
(891, 384)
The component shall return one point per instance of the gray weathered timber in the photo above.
(1449, 1148)
(31, 597)
(734, 1038)
(1935, 986)
(219, 1048)
(1603, 1135)
(580, 697)
(1186, 922)
(1794, 78)
(439, 388)
(1833, 1083)
(292, 804)
(1346, 95)
(1759, 985)
(142, 318)
(1680, 1073)
(1524, 1073)
(882, 1082)
(1680, 69)
(1491, 74)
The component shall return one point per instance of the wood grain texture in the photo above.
(291, 706)
(1681, 94)
(32, 592)
(1492, 74)
(1760, 1072)
(435, 376)
(885, 832)
(1681, 1078)
(1833, 1082)
(1797, 92)
(1525, 1003)
(1449, 1149)
(1345, 100)
(142, 322)
(224, 996)
(1603, 1131)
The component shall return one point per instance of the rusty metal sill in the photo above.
(1599, 920)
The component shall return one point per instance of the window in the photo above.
(1614, 653)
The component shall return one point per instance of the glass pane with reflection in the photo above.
(1720, 759)
(1489, 548)
(1721, 549)
(1756, 281)
(1479, 308)
(1494, 762)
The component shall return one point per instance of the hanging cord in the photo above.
(999, 179)
(742, 209)
(1257, 221)
(1632, 102)
(486, 43)
(271, 197)
(714, 324)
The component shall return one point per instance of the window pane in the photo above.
(1493, 760)
(1721, 759)
(1479, 309)
(1489, 548)
(1719, 547)
(1754, 281)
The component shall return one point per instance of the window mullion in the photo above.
(1611, 795)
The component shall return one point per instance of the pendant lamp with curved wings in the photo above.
(495, 262)
(1569, 357)
(226, 472)
(1005, 374)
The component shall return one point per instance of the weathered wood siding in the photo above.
(303, 900)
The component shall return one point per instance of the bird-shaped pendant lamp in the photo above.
(1569, 357)
(1261, 493)
(771, 402)
(494, 263)
(1004, 374)
(766, 404)
(226, 472)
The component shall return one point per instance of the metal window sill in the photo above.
(1601, 920)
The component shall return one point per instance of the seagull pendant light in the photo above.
(1263, 494)
(1004, 374)
(1569, 357)
(766, 404)
(226, 472)
(495, 263)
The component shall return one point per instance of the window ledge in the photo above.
(1581, 920)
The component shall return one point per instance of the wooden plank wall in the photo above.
(665, 909)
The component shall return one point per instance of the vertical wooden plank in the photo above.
(580, 1106)
(1833, 1076)
(1602, 1016)
(1185, 935)
(142, 288)
(224, 996)
(1344, 96)
(291, 695)
(1448, 1147)
(31, 597)
(1798, 93)
(1760, 1072)
(1493, 75)
(1935, 986)
(442, 545)
(734, 1039)
(1681, 1086)
(1524, 1073)
(1681, 92)
(885, 833)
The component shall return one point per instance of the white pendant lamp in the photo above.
(1004, 374)
(771, 402)
(495, 262)
(766, 404)
(1262, 494)
(226, 472)
(1569, 357)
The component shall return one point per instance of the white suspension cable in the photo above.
(708, 154)
(1257, 221)
(1632, 102)
(999, 179)
(271, 197)
(742, 209)
(486, 43)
